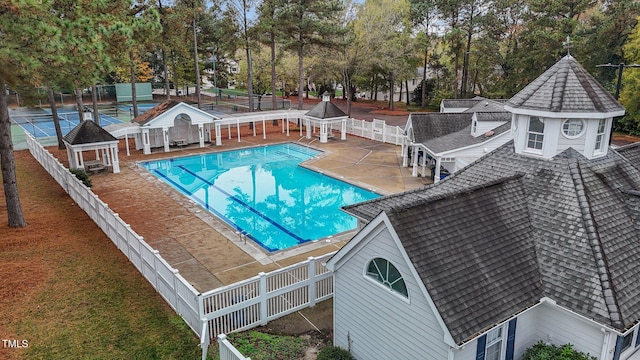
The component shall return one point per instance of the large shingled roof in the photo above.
(496, 237)
(566, 87)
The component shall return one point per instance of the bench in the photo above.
(94, 165)
(180, 142)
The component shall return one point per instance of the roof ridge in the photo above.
(559, 85)
(454, 192)
(595, 242)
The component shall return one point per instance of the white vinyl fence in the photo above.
(228, 351)
(178, 293)
(265, 297)
(376, 130)
(236, 307)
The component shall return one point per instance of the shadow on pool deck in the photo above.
(207, 252)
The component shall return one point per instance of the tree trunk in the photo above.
(79, 104)
(400, 94)
(274, 100)
(406, 86)
(94, 100)
(391, 85)
(56, 118)
(300, 78)
(165, 70)
(248, 50)
(134, 100)
(7, 161)
(423, 95)
(195, 61)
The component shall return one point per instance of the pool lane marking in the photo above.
(249, 207)
(214, 211)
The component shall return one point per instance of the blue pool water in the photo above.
(264, 193)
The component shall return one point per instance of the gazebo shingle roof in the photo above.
(325, 110)
(491, 240)
(88, 132)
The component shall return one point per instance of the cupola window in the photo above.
(572, 128)
(600, 135)
(535, 135)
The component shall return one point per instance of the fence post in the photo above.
(312, 280)
(263, 298)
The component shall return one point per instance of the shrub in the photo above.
(334, 353)
(542, 351)
(82, 176)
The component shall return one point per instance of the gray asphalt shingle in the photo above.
(492, 239)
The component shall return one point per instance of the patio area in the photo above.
(207, 252)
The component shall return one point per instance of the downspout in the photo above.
(450, 357)
(605, 344)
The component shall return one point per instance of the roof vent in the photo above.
(489, 133)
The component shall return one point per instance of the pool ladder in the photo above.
(242, 235)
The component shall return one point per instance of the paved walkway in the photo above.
(207, 252)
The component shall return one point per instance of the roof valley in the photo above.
(595, 241)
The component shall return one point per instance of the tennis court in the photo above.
(39, 121)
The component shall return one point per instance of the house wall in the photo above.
(484, 126)
(376, 323)
(468, 155)
(560, 327)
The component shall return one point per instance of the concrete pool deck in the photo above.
(207, 252)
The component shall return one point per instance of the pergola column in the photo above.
(404, 148)
(308, 123)
(323, 132)
(201, 134)
(414, 162)
(218, 135)
(165, 137)
(343, 130)
(115, 162)
(436, 176)
(146, 146)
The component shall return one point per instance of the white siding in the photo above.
(578, 143)
(375, 323)
(525, 337)
(484, 126)
(560, 327)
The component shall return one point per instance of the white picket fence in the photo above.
(265, 297)
(228, 351)
(236, 307)
(376, 130)
(176, 291)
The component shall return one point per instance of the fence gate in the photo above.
(378, 130)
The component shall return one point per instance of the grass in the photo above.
(68, 291)
(262, 346)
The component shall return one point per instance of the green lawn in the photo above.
(68, 291)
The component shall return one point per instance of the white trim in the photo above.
(551, 114)
(377, 225)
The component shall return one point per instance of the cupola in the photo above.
(564, 107)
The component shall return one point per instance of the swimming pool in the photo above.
(264, 193)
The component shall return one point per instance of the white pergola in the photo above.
(263, 116)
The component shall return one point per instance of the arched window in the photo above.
(388, 275)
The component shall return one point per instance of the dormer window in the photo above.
(572, 128)
(535, 134)
(600, 143)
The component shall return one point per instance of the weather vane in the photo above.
(568, 44)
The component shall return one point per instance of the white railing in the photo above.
(376, 130)
(178, 293)
(228, 351)
(265, 297)
(236, 307)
